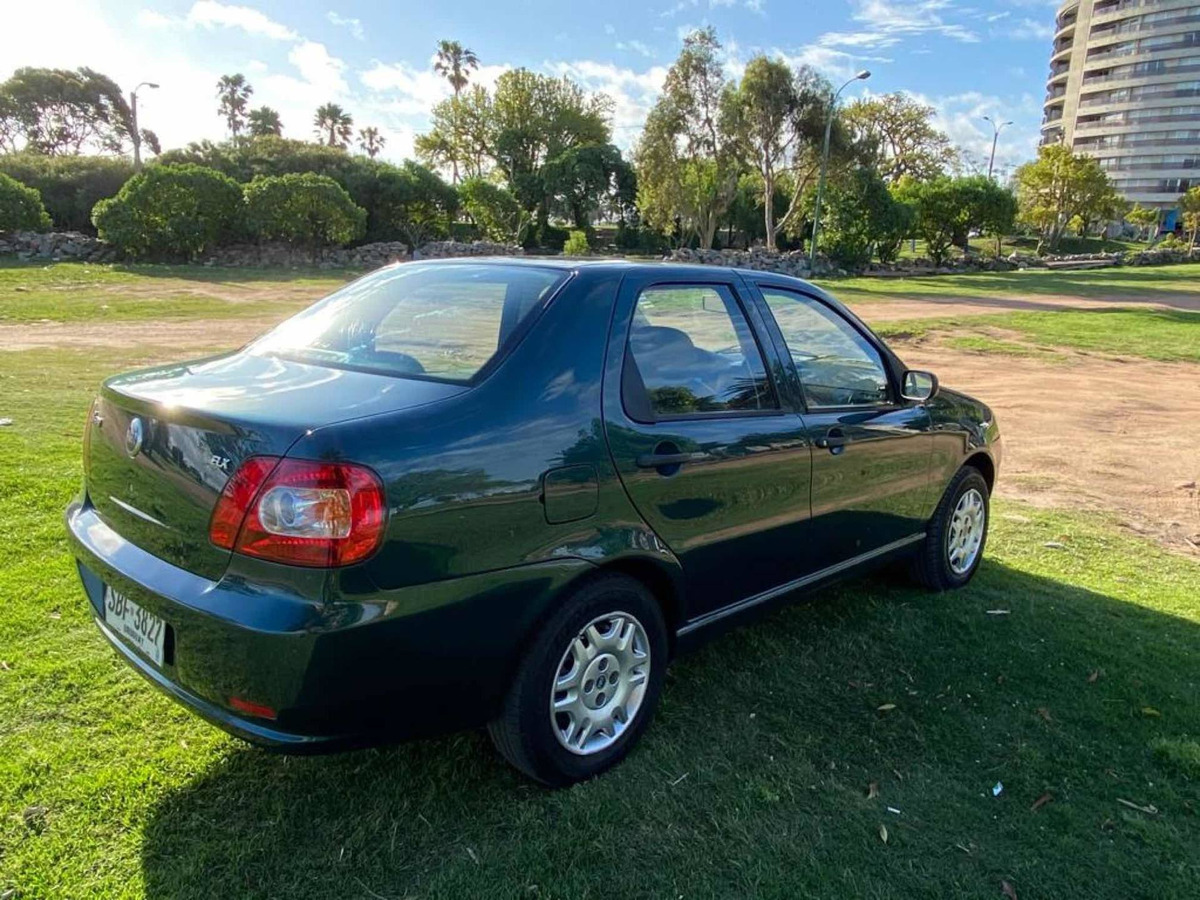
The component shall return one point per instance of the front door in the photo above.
(712, 459)
(871, 449)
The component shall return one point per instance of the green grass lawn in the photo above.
(78, 292)
(1068, 244)
(1068, 669)
(1162, 334)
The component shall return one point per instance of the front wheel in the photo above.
(588, 685)
(957, 534)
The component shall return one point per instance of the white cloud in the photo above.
(322, 71)
(837, 65)
(609, 30)
(149, 18)
(961, 117)
(910, 17)
(996, 17)
(211, 14)
(354, 26)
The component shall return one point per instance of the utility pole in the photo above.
(137, 134)
(996, 129)
(812, 251)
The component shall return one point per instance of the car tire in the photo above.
(606, 679)
(943, 560)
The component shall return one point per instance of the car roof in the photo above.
(647, 266)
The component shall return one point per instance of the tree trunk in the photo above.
(769, 203)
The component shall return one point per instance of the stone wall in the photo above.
(285, 255)
(444, 249)
(56, 245)
(796, 262)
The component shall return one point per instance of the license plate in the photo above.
(146, 631)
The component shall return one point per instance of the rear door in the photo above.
(712, 457)
(871, 448)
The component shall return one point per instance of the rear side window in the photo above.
(837, 365)
(693, 352)
(436, 321)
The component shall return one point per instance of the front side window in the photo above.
(436, 321)
(695, 353)
(836, 364)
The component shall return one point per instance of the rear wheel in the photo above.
(588, 685)
(957, 534)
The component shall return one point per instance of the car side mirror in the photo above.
(919, 386)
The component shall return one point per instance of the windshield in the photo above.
(436, 321)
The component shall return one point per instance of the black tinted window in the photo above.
(836, 364)
(695, 352)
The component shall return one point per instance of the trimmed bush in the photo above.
(21, 207)
(312, 210)
(70, 185)
(576, 244)
(171, 211)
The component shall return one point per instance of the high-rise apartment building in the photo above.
(1124, 88)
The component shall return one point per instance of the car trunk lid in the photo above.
(162, 442)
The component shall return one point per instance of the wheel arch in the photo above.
(985, 466)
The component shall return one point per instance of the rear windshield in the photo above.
(435, 321)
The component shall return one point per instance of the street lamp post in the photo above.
(812, 252)
(996, 129)
(137, 134)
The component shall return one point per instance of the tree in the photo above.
(233, 92)
(21, 207)
(264, 122)
(686, 165)
(69, 185)
(371, 141)
(779, 118)
(577, 244)
(991, 209)
(454, 62)
(168, 210)
(59, 112)
(312, 210)
(898, 138)
(1145, 219)
(587, 180)
(1189, 206)
(333, 125)
(1057, 187)
(862, 215)
(415, 201)
(940, 209)
(494, 209)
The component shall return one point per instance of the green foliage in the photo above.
(639, 239)
(940, 208)
(69, 185)
(264, 122)
(171, 211)
(1057, 187)
(333, 125)
(233, 92)
(61, 112)
(593, 178)
(576, 244)
(686, 163)
(1144, 218)
(896, 136)
(1189, 206)
(309, 209)
(413, 201)
(21, 207)
(494, 209)
(861, 214)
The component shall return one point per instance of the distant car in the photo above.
(505, 492)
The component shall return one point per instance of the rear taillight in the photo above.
(300, 512)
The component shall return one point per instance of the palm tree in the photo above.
(234, 93)
(371, 141)
(265, 121)
(333, 125)
(453, 62)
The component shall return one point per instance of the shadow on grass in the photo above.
(753, 780)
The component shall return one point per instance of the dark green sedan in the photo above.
(506, 492)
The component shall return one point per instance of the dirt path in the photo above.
(1117, 435)
(185, 335)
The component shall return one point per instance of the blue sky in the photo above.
(967, 58)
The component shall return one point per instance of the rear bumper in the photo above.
(339, 670)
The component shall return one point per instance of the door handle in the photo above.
(834, 440)
(664, 460)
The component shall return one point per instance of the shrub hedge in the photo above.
(70, 186)
(21, 207)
